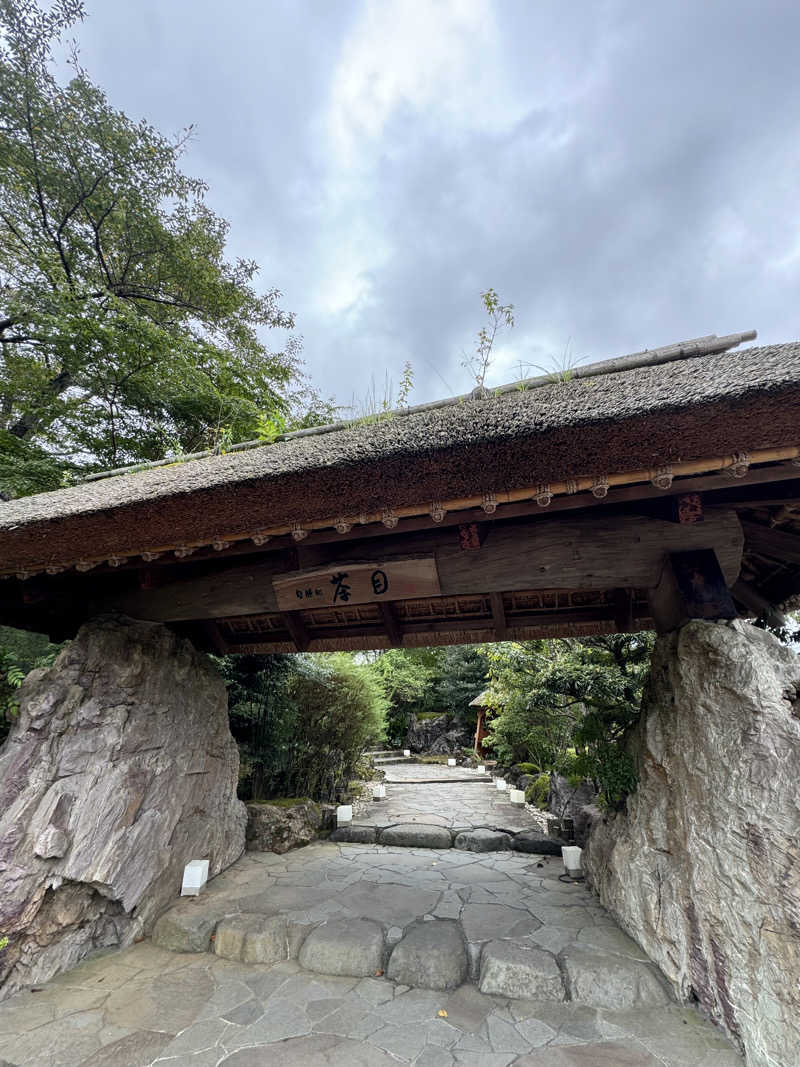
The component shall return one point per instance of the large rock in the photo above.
(604, 980)
(416, 835)
(520, 971)
(351, 947)
(119, 769)
(573, 801)
(277, 827)
(703, 868)
(430, 955)
(483, 839)
(440, 736)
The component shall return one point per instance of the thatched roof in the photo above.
(711, 405)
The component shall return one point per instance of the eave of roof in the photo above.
(648, 416)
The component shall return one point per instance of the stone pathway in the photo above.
(445, 799)
(146, 1005)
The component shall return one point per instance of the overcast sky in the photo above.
(625, 173)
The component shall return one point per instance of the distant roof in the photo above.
(686, 402)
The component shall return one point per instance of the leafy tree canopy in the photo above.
(125, 331)
(567, 705)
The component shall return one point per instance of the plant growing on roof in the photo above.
(501, 316)
(123, 323)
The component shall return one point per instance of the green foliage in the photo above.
(405, 677)
(526, 768)
(461, 676)
(501, 316)
(427, 682)
(124, 329)
(302, 722)
(568, 705)
(538, 792)
(20, 653)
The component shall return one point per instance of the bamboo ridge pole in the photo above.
(489, 502)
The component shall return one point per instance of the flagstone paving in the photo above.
(445, 799)
(145, 1005)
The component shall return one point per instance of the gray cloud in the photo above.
(625, 173)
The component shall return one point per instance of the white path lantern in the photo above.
(500, 784)
(406, 751)
(344, 814)
(379, 791)
(481, 769)
(571, 855)
(451, 763)
(195, 876)
(516, 796)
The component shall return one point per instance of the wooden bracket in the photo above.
(391, 624)
(692, 586)
(623, 611)
(499, 616)
(297, 630)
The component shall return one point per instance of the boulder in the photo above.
(187, 927)
(430, 955)
(568, 801)
(441, 736)
(350, 947)
(603, 980)
(702, 867)
(520, 971)
(537, 843)
(483, 840)
(253, 938)
(280, 827)
(356, 833)
(416, 835)
(119, 769)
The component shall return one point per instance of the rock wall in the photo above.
(281, 827)
(119, 769)
(440, 736)
(703, 868)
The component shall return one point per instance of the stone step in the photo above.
(440, 781)
(428, 953)
(467, 838)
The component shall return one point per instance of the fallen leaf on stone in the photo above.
(442, 1013)
(379, 974)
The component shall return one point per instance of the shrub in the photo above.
(301, 722)
(538, 792)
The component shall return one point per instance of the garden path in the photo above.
(145, 1006)
(445, 796)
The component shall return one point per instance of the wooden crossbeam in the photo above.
(767, 541)
(754, 600)
(591, 553)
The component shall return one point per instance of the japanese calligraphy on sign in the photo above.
(357, 583)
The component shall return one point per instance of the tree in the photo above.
(406, 677)
(568, 705)
(462, 672)
(124, 329)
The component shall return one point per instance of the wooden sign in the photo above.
(357, 583)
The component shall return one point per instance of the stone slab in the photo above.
(430, 955)
(517, 971)
(352, 947)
